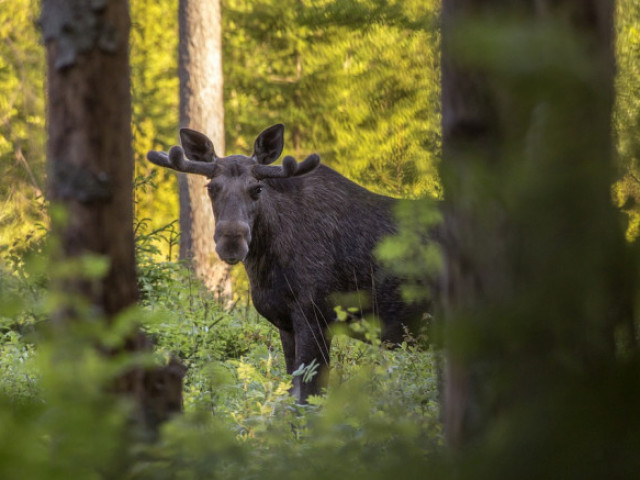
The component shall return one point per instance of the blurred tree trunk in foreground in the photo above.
(202, 109)
(537, 276)
(90, 164)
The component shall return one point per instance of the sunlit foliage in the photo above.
(627, 112)
(22, 136)
(154, 78)
(361, 90)
(356, 81)
(22, 116)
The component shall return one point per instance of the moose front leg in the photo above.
(289, 349)
(311, 348)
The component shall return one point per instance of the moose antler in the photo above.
(177, 161)
(289, 167)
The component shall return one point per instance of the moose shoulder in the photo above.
(304, 234)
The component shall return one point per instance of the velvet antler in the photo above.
(289, 167)
(177, 161)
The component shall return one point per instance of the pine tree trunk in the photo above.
(202, 109)
(90, 165)
(528, 217)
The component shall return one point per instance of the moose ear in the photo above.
(197, 146)
(269, 144)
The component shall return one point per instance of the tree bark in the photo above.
(90, 158)
(202, 109)
(90, 169)
(529, 223)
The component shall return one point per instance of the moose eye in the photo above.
(255, 191)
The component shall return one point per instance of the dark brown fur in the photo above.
(303, 238)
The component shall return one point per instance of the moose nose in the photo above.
(232, 241)
(229, 230)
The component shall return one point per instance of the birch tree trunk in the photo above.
(202, 109)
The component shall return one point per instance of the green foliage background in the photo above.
(362, 92)
(22, 140)
(357, 82)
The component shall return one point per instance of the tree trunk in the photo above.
(535, 278)
(90, 165)
(89, 152)
(202, 109)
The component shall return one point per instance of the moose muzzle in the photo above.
(232, 241)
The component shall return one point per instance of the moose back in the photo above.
(305, 235)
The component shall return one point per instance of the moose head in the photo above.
(237, 185)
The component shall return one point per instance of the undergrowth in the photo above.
(379, 417)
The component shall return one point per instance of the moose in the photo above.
(306, 235)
